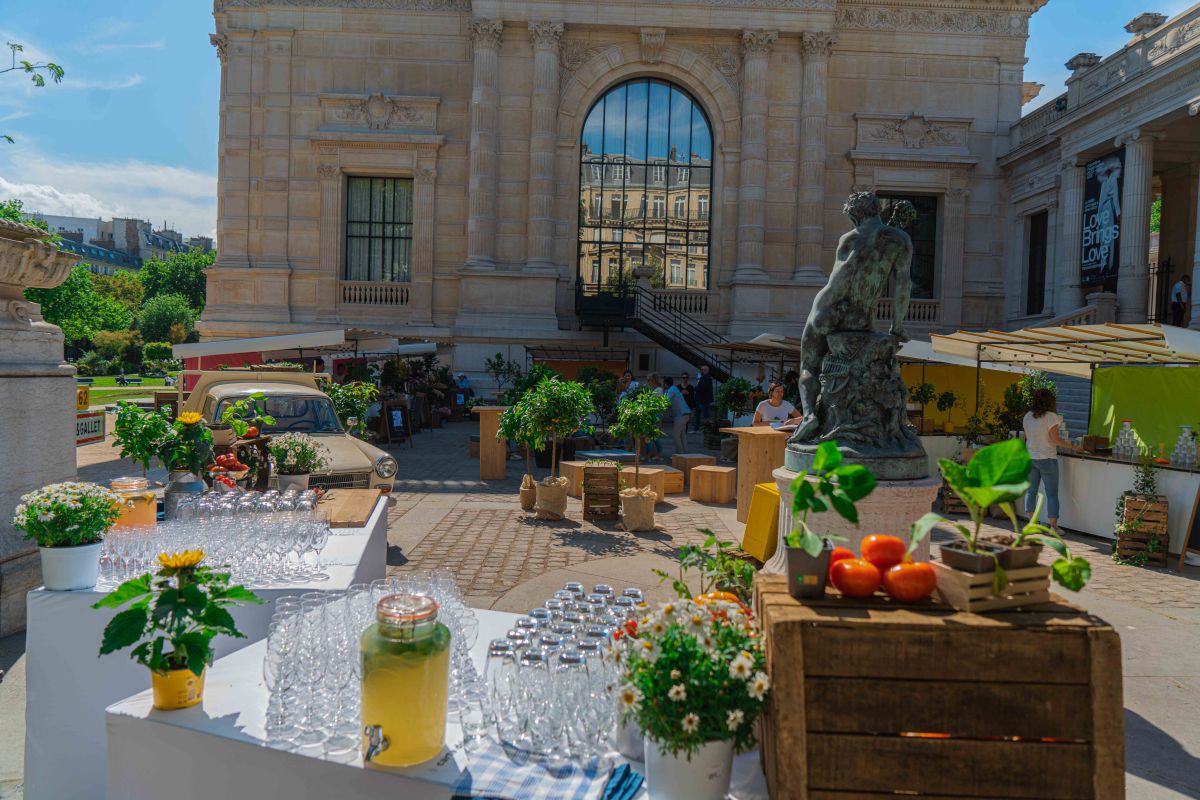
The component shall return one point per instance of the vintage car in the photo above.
(298, 405)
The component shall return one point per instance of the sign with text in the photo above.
(89, 427)
(1100, 238)
(83, 398)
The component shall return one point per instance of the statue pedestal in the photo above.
(890, 509)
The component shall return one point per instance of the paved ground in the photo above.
(443, 515)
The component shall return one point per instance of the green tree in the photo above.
(77, 308)
(181, 274)
(12, 211)
(37, 72)
(1156, 215)
(163, 312)
(122, 286)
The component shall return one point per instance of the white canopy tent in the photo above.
(293, 345)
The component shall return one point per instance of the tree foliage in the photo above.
(164, 317)
(77, 308)
(180, 274)
(37, 71)
(122, 286)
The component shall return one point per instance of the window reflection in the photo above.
(645, 193)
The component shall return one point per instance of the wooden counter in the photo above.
(760, 452)
(493, 454)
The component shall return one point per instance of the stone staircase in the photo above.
(1074, 402)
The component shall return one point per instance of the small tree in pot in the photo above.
(923, 394)
(514, 427)
(555, 409)
(830, 484)
(638, 418)
(946, 403)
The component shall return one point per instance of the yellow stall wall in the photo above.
(961, 381)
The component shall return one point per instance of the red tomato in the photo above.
(884, 552)
(910, 582)
(837, 555)
(251, 432)
(855, 577)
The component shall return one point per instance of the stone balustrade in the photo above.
(692, 303)
(922, 312)
(371, 293)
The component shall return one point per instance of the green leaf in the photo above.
(221, 621)
(809, 541)
(827, 457)
(844, 505)
(921, 528)
(803, 493)
(197, 649)
(1056, 543)
(135, 587)
(1072, 573)
(123, 630)
(856, 480)
(985, 496)
(999, 579)
(954, 473)
(817, 505)
(999, 463)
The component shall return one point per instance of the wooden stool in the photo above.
(473, 447)
(648, 476)
(672, 480)
(573, 472)
(712, 484)
(685, 462)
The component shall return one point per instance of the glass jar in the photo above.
(140, 505)
(405, 682)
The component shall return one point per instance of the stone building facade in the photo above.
(422, 166)
(1083, 172)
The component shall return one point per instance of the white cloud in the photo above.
(93, 48)
(184, 198)
(127, 82)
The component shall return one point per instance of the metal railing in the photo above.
(372, 293)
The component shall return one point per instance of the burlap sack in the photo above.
(552, 498)
(637, 509)
(528, 493)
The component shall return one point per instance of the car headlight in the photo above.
(385, 467)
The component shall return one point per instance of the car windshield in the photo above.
(299, 413)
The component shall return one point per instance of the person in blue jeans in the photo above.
(1042, 425)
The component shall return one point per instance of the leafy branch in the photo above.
(37, 72)
(837, 485)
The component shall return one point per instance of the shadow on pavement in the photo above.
(1153, 755)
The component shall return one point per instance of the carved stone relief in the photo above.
(652, 44)
(932, 20)
(915, 132)
(379, 112)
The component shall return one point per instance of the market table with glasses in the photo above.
(218, 748)
(68, 686)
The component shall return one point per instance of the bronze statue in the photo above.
(850, 386)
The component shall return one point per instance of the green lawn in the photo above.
(109, 381)
(104, 389)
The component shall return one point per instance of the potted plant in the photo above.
(68, 522)
(514, 427)
(243, 418)
(831, 484)
(733, 398)
(295, 456)
(695, 681)
(555, 408)
(352, 402)
(946, 402)
(721, 567)
(922, 395)
(185, 451)
(638, 417)
(182, 608)
(139, 433)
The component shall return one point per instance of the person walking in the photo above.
(1181, 297)
(705, 392)
(681, 415)
(1042, 426)
(688, 391)
(774, 408)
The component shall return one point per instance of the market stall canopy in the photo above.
(577, 353)
(312, 343)
(761, 347)
(919, 351)
(1074, 349)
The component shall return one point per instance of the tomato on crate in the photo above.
(855, 577)
(910, 582)
(837, 555)
(884, 552)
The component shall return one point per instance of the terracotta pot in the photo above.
(958, 557)
(806, 575)
(1024, 556)
(67, 569)
(179, 688)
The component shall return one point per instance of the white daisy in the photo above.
(667, 609)
(647, 650)
(691, 723)
(742, 666)
(631, 697)
(759, 686)
(678, 693)
(734, 719)
(697, 621)
(658, 628)
(676, 674)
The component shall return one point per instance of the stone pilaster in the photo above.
(953, 251)
(816, 49)
(331, 183)
(424, 197)
(543, 122)
(481, 186)
(1133, 278)
(1068, 295)
(752, 190)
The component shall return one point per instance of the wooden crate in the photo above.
(573, 472)
(951, 504)
(1153, 511)
(601, 492)
(875, 700)
(473, 446)
(966, 591)
(672, 480)
(711, 484)
(686, 461)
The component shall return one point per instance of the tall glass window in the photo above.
(924, 238)
(379, 229)
(645, 138)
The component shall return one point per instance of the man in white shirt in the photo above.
(1181, 296)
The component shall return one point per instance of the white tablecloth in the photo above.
(217, 749)
(68, 686)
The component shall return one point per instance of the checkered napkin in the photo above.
(496, 774)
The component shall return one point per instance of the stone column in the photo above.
(542, 124)
(481, 185)
(953, 246)
(1133, 288)
(810, 229)
(1051, 257)
(1068, 295)
(329, 294)
(752, 190)
(424, 219)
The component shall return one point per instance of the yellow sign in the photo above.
(83, 398)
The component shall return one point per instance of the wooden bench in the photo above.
(85, 381)
(686, 461)
(573, 472)
(647, 476)
(672, 480)
(712, 484)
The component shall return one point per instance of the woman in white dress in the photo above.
(774, 408)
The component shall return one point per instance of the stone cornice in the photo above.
(934, 19)
(913, 160)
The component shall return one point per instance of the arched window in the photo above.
(645, 187)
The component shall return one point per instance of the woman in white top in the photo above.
(774, 408)
(1043, 440)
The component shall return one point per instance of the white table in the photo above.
(1089, 487)
(217, 749)
(68, 686)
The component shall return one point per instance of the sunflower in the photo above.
(177, 561)
(189, 417)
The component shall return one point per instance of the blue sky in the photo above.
(132, 131)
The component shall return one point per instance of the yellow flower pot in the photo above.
(179, 688)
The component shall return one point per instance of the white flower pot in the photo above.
(705, 777)
(630, 741)
(297, 482)
(66, 569)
